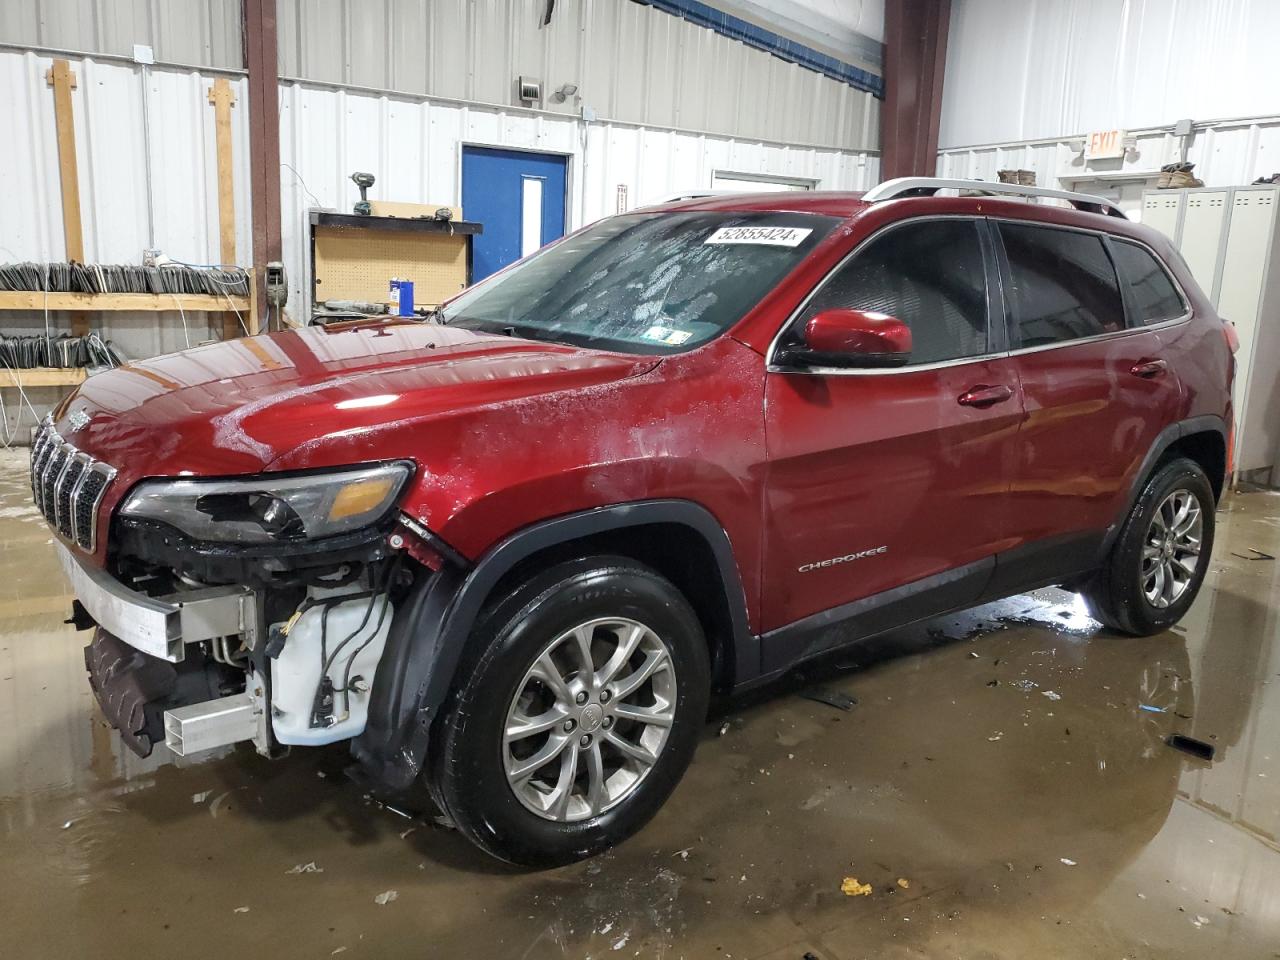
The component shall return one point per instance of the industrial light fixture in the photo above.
(566, 91)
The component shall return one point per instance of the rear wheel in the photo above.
(1160, 557)
(578, 714)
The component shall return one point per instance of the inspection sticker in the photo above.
(667, 335)
(769, 236)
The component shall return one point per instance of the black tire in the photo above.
(467, 770)
(1115, 596)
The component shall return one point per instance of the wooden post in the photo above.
(263, 94)
(222, 97)
(63, 81)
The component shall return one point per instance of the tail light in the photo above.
(1233, 338)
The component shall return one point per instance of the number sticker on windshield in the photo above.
(769, 236)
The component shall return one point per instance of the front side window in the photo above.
(1152, 293)
(643, 283)
(930, 275)
(1064, 286)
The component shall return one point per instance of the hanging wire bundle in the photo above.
(172, 278)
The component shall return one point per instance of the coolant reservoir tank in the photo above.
(296, 673)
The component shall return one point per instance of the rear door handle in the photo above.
(1149, 369)
(984, 396)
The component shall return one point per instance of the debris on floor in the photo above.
(1067, 861)
(904, 883)
(305, 868)
(1051, 694)
(1257, 555)
(386, 897)
(850, 887)
(1192, 746)
(1150, 709)
(832, 698)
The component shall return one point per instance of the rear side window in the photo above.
(1153, 295)
(930, 275)
(1064, 286)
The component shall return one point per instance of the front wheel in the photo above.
(1159, 559)
(578, 713)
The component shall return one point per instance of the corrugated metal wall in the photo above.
(201, 33)
(114, 192)
(411, 144)
(630, 62)
(1225, 153)
(414, 149)
(1050, 68)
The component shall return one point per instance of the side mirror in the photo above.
(851, 338)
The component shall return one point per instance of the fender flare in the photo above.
(433, 624)
(1166, 438)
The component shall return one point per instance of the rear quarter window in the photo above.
(1064, 286)
(1152, 294)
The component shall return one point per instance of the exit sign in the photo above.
(1104, 145)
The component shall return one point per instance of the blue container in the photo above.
(402, 297)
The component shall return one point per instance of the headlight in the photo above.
(266, 509)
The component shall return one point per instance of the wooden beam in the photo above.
(260, 51)
(222, 97)
(63, 81)
(42, 377)
(151, 302)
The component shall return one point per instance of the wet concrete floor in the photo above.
(999, 762)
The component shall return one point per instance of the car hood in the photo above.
(240, 406)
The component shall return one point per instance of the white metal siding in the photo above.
(203, 33)
(1225, 153)
(414, 149)
(1047, 68)
(630, 62)
(107, 103)
(411, 144)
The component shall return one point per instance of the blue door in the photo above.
(518, 197)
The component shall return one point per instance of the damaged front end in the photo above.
(252, 609)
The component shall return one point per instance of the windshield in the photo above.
(643, 283)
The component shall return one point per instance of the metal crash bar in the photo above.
(928, 186)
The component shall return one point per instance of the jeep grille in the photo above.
(68, 486)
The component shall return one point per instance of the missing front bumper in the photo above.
(162, 626)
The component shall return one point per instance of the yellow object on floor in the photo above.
(850, 887)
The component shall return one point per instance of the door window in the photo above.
(930, 275)
(1153, 295)
(1064, 286)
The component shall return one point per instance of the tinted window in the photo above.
(930, 276)
(643, 283)
(1064, 286)
(1154, 296)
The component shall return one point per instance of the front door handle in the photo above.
(984, 396)
(1149, 369)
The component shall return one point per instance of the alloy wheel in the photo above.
(1171, 549)
(588, 721)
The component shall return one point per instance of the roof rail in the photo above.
(928, 186)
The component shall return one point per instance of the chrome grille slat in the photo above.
(67, 486)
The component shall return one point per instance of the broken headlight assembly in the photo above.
(272, 509)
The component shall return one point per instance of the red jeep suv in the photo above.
(510, 552)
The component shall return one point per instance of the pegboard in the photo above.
(353, 263)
